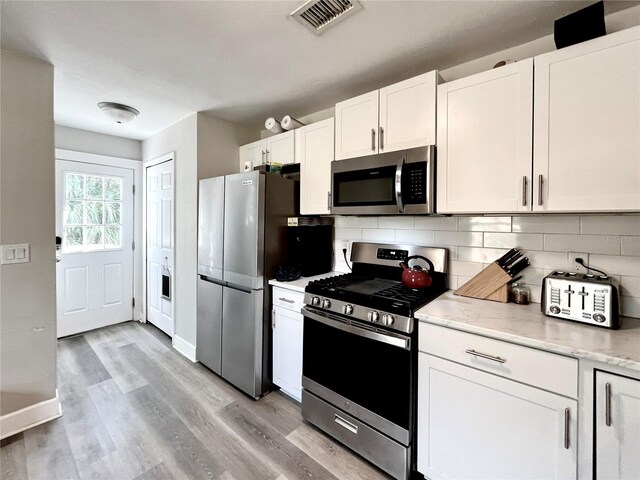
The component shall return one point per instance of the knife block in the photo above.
(489, 284)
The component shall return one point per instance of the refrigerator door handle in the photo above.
(212, 280)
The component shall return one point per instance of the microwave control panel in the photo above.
(414, 183)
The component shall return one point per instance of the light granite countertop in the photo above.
(526, 325)
(300, 284)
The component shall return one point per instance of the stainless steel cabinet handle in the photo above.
(524, 191)
(273, 318)
(263, 157)
(328, 200)
(381, 138)
(607, 404)
(566, 428)
(484, 355)
(283, 299)
(344, 423)
(267, 156)
(373, 139)
(540, 189)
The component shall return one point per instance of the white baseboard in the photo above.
(21, 420)
(184, 347)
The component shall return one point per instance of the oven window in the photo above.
(374, 186)
(372, 374)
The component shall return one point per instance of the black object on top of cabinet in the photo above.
(310, 248)
(580, 26)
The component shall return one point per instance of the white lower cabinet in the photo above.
(287, 323)
(617, 427)
(473, 424)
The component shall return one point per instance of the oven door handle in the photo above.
(398, 185)
(404, 343)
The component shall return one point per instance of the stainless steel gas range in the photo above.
(359, 373)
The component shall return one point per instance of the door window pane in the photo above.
(92, 217)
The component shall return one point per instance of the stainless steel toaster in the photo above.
(586, 298)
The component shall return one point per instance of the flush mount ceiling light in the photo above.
(118, 112)
(319, 15)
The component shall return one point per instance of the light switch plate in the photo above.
(19, 253)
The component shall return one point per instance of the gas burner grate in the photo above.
(400, 292)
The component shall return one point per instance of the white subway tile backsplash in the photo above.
(610, 225)
(483, 255)
(604, 244)
(531, 241)
(546, 260)
(615, 265)
(630, 286)
(630, 306)
(463, 239)
(415, 237)
(484, 224)
(630, 245)
(379, 235)
(467, 269)
(546, 224)
(347, 233)
(405, 223)
(356, 222)
(436, 223)
(532, 276)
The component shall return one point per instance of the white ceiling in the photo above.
(246, 60)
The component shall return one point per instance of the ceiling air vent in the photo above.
(319, 15)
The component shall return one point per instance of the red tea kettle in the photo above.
(416, 276)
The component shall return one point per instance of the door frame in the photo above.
(129, 164)
(145, 165)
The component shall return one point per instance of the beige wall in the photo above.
(218, 142)
(68, 138)
(27, 215)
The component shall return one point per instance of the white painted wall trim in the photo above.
(184, 347)
(170, 156)
(29, 417)
(137, 167)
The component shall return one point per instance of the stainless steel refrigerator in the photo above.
(242, 220)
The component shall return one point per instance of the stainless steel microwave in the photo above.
(401, 182)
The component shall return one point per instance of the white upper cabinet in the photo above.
(484, 141)
(253, 152)
(587, 126)
(280, 148)
(408, 114)
(357, 126)
(314, 152)
(276, 149)
(393, 118)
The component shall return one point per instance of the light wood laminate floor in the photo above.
(134, 408)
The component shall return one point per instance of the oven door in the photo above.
(363, 371)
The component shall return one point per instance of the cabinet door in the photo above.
(255, 152)
(287, 351)
(357, 126)
(485, 141)
(587, 126)
(314, 147)
(617, 454)
(408, 113)
(280, 148)
(473, 424)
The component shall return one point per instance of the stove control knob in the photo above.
(315, 301)
(326, 303)
(388, 319)
(373, 316)
(554, 309)
(598, 317)
(347, 309)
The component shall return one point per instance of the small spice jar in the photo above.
(520, 293)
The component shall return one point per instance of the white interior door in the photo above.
(160, 220)
(94, 217)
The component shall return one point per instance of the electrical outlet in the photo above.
(347, 244)
(573, 266)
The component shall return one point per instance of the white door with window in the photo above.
(94, 217)
(159, 186)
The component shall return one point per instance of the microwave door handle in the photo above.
(399, 185)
